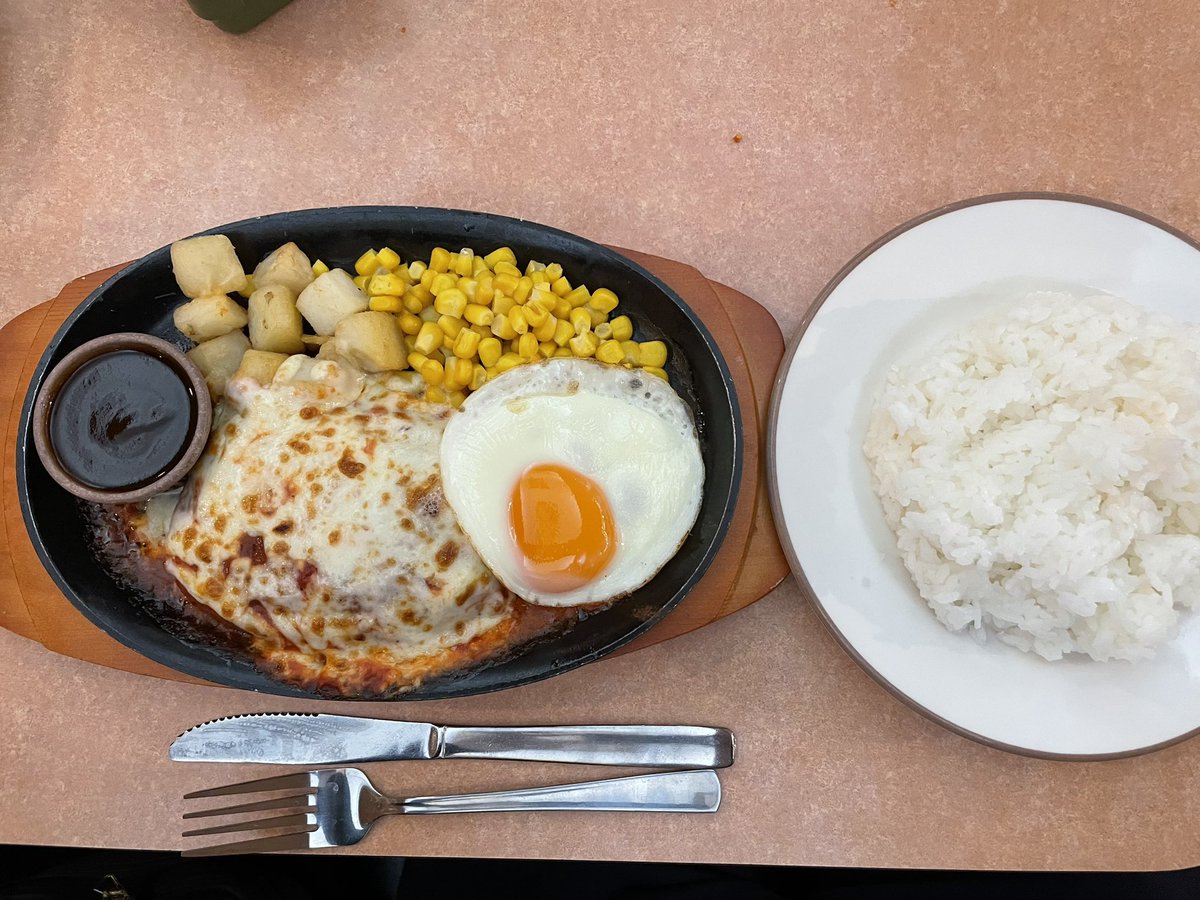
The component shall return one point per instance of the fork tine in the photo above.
(277, 783)
(257, 825)
(292, 802)
(295, 841)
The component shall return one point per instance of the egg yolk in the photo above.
(563, 526)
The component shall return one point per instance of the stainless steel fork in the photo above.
(337, 807)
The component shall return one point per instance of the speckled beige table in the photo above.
(123, 129)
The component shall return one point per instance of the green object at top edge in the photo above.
(236, 16)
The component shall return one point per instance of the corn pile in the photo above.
(468, 318)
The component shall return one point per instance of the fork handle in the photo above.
(696, 791)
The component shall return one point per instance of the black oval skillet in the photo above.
(141, 298)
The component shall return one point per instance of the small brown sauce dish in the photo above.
(122, 418)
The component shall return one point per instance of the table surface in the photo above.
(619, 121)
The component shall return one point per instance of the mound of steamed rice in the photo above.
(1041, 471)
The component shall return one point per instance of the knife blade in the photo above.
(320, 739)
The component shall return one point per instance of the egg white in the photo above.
(627, 431)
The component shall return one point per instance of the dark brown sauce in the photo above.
(122, 420)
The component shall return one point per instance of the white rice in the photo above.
(1041, 471)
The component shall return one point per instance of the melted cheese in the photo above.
(319, 526)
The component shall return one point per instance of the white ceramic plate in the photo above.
(919, 280)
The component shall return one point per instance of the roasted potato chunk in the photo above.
(288, 266)
(219, 358)
(329, 299)
(206, 318)
(275, 323)
(260, 365)
(314, 341)
(207, 265)
(372, 341)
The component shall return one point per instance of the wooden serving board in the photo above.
(748, 566)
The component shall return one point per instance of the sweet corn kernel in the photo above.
(513, 345)
(459, 370)
(468, 286)
(442, 282)
(361, 282)
(534, 266)
(486, 289)
(426, 278)
(367, 263)
(562, 309)
(410, 343)
(563, 332)
(584, 345)
(249, 288)
(466, 344)
(499, 255)
(502, 305)
(631, 351)
(434, 394)
(547, 330)
(479, 377)
(489, 351)
(319, 268)
(428, 314)
(652, 353)
(546, 349)
(482, 330)
(439, 260)
(604, 300)
(451, 302)
(523, 289)
(539, 277)
(563, 351)
(554, 272)
(610, 352)
(502, 328)
(388, 258)
(518, 320)
(527, 346)
(413, 303)
(432, 371)
(386, 303)
(579, 296)
(507, 268)
(429, 338)
(409, 323)
(416, 269)
(581, 321)
(655, 371)
(463, 264)
(596, 316)
(506, 282)
(508, 361)
(457, 399)
(478, 315)
(561, 286)
(534, 314)
(622, 328)
(422, 291)
(604, 331)
(450, 326)
(478, 266)
(416, 359)
(387, 283)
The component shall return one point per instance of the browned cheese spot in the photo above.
(446, 555)
(283, 527)
(251, 546)
(335, 537)
(250, 504)
(308, 412)
(349, 466)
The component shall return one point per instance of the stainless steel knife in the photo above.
(312, 739)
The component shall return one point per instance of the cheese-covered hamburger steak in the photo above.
(316, 523)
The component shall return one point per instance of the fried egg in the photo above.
(575, 481)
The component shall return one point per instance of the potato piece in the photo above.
(314, 341)
(286, 265)
(207, 265)
(275, 323)
(329, 299)
(260, 365)
(372, 341)
(206, 318)
(219, 358)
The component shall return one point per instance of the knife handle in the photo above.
(656, 746)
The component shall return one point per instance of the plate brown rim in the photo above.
(773, 483)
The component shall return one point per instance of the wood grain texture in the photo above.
(748, 566)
